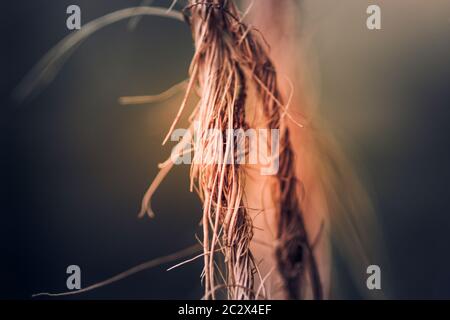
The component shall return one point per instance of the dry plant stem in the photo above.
(221, 83)
(228, 60)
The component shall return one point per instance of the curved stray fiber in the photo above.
(47, 68)
(141, 267)
(133, 22)
(164, 170)
(127, 100)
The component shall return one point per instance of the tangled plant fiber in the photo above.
(229, 61)
(236, 83)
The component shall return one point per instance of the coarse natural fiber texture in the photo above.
(229, 62)
(236, 82)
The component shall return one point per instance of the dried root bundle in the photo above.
(230, 68)
(236, 82)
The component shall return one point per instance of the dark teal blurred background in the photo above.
(75, 163)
